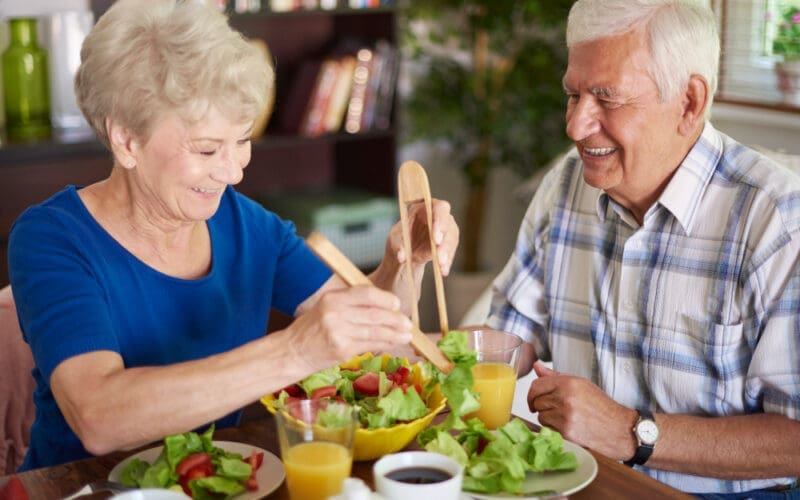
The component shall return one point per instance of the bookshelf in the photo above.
(281, 159)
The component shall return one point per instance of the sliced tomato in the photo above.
(295, 410)
(402, 374)
(324, 392)
(367, 384)
(200, 470)
(192, 461)
(418, 389)
(291, 390)
(255, 459)
(13, 490)
(251, 483)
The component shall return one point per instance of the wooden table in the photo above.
(613, 481)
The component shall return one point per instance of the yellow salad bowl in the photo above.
(374, 443)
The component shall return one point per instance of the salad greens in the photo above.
(386, 389)
(493, 461)
(229, 472)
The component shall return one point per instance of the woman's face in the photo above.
(182, 170)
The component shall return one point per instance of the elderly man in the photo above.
(657, 266)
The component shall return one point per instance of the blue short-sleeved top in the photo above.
(77, 290)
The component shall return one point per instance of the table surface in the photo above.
(613, 481)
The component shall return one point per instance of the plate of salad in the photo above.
(537, 484)
(513, 461)
(203, 469)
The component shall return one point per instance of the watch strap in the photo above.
(643, 451)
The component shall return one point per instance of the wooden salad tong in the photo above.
(412, 188)
(352, 275)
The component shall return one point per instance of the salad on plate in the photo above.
(192, 464)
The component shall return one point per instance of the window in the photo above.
(747, 65)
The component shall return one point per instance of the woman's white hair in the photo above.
(146, 58)
(682, 36)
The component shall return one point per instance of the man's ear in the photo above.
(121, 142)
(695, 101)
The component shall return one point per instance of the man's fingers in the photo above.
(543, 371)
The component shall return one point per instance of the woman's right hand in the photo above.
(345, 322)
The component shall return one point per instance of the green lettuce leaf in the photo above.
(400, 405)
(322, 378)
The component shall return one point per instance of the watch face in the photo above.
(647, 431)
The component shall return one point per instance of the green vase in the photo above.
(25, 83)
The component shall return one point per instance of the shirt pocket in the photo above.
(698, 366)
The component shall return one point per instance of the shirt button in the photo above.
(626, 367)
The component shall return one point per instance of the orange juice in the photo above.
(495, 382)
(316, 470)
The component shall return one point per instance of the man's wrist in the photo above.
(646, 433)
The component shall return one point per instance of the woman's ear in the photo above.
(695, 102)
(121, 142)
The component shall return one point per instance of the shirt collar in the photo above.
(687, 187)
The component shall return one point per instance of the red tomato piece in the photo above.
(292, 390)
(296, 411)
(324, 392)
(201, 470)
(196, 472)
(251, 483)
(402, 374)
(255, 459)
(13, 490)
(192, 461)
(367, 384)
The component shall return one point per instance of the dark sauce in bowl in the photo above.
(419, 475)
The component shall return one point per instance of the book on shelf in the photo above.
(313, 123)
(370, 105)
(340, 94)
(381, 118)
(355, 105)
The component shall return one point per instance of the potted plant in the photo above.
(787, 45)
(490, 86)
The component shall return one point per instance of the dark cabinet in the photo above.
(281, 159)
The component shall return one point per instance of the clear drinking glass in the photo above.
(495, 374)
(316, 443)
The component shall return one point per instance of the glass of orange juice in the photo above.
(495, 374)
(316, 442)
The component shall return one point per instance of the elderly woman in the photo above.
(145, 297)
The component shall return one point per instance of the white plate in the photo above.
(565, 483)
(269, 476)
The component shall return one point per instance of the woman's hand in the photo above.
(345, 322)
(390, 274)
(445, 236)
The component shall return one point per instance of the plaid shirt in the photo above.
(693, 312)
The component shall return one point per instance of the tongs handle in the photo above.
(350, 274)
(413, 187)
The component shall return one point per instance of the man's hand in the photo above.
(582, 413)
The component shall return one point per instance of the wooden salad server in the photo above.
(352, 275)
(413, 187)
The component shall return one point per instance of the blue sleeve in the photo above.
(61, 306)
(298, 272)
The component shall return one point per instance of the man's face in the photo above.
(628, 139)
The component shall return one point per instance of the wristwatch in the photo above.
(646, 432)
